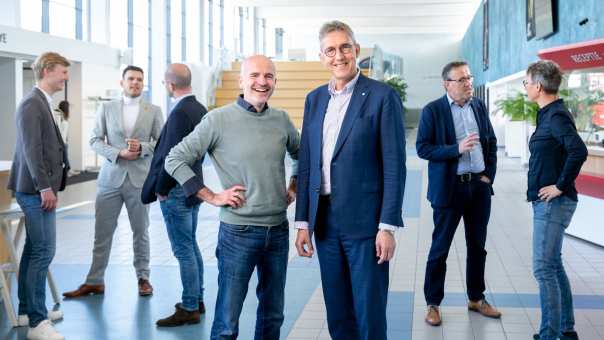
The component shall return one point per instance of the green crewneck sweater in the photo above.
(247, 148)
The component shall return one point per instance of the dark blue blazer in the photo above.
(368, 165)
(181, 121)
(436, 143)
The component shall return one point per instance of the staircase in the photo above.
(295, 79)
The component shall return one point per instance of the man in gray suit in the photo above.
(38, 172)
(125, 135)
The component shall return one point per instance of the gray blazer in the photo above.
(108, 138)
(40, 159)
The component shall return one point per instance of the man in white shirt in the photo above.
(125, 134)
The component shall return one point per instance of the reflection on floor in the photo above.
(121, 314)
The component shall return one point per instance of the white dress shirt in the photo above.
(130, 111)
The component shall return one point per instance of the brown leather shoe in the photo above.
(179, 318)
(484, 308)
(202, 307)
(144, 287)
(433, 316)
(84, 290)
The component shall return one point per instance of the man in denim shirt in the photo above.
(557, 154)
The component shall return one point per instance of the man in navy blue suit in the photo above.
(179, 211)
(351, 177)
(456, 137)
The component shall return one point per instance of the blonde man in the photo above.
(38, 172)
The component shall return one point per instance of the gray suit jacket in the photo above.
(108, 138)
(40, 159)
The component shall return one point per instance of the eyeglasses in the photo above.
(525, 82)
(344, 49)
(462, 80)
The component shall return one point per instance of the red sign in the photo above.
(576, 56)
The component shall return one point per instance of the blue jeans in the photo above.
(181, 224)
(240, 249)
(550, 219)
(38, 251)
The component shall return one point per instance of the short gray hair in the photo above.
(547, 73)
(454, 64)
(333, 26)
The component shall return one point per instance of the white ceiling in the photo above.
(370, 16)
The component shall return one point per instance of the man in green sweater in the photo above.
(246, 141)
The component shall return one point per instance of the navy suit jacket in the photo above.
(182, 121)
(368, 164)
(436, 142)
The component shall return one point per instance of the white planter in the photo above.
(515, 133)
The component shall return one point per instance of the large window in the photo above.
(31, 15)
(194, 22)
(140, 33)
(176, 33)
(62, 20)
(118, 23)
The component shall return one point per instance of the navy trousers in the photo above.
(472, 202)
(355, 287)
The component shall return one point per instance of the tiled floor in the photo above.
(510, 286)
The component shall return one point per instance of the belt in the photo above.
(468, 177)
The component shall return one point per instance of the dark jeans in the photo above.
(38, 251)
(240, 249)
(550, 219)
(355, 287)
(181, 224)
(472, 201)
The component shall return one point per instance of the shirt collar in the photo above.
(47, 96)
(348, 88)
(175, 101)
(131, 101)
(249, 107)
(451, 101)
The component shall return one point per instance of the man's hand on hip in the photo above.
(384, 246)
(304, 244)
(233, 196)
(49, 200)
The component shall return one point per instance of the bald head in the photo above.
(179, 75)
(256, 60)
(257, 80)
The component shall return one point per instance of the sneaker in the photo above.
(53, 315)
(44, 331)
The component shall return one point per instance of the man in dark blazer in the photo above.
(38, 172)
(351, 176)
(456, 137)
(179, 211)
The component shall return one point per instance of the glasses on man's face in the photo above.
(525, 82)
(344, 49)
(462, 80)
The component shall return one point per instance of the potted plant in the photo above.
(523, 117)
(399, 85)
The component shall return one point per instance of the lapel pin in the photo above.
(362, 94)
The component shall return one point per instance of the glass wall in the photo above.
(584, 96)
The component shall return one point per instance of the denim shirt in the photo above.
(557, 152)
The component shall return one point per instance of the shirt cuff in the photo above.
(45, 189)
(301, 225)
(192, 186)
(384, 226)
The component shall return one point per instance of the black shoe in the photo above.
(179, 318)
(202, 308)
(569, 335)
